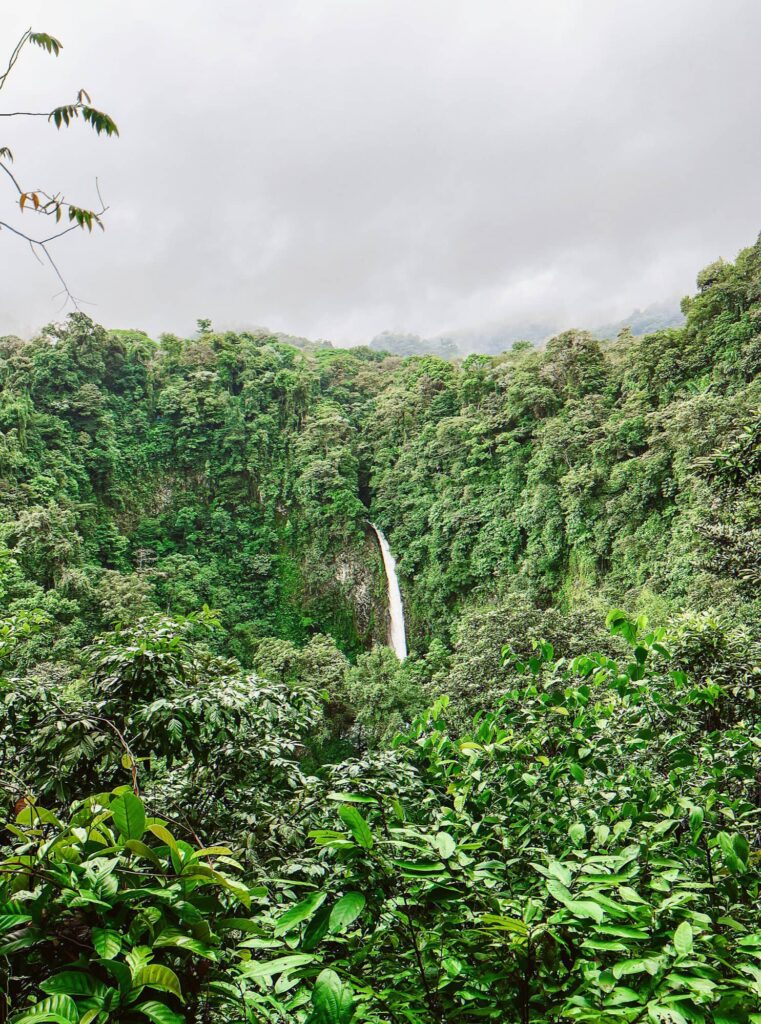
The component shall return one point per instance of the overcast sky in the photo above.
(335, 168)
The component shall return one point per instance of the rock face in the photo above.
(361, 580)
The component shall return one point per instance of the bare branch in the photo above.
(69, 296)
(15, 55)
(11, 176)
(41, 244)
(34, 253)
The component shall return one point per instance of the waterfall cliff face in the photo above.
(396, 635)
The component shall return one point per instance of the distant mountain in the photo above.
(400, 344)
(488, 340)
(656, 317)
(491, 339)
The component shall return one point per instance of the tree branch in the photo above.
(15, 55)
(38, 200)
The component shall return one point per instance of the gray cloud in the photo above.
(338, 167)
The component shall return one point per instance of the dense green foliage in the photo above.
(228, 801)
(238, 472)
(585, 851)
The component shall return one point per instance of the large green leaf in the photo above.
(159, 977)
(162, 832)
(579, 908)
(159, 1013)
(107, 942)
(280, 965)
(8, 921)
(61, 1009)
(129, 815)
(142, 849)
(683, 939)
(445, 844)
(29, 937)
(70, 983)
(357, 825)
(293, 917)
(120, 972)
(316, 930)
(173, 937)
(346, 911)
(332, 1001)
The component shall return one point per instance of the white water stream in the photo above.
(396, 636)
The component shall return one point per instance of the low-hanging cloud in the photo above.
(334, 168)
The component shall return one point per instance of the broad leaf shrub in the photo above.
(587, 851)
(154, 702)
(107, 916)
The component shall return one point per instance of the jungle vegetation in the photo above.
(226, 800)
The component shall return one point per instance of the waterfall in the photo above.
(396, 635)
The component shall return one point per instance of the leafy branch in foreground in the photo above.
(41, 201)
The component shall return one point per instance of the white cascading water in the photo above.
(396, 634)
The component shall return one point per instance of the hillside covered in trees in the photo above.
(229, 801)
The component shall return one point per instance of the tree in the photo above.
(40, 201)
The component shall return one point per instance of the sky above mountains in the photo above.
(336, 169)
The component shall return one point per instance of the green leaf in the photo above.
(506, 924)
(420, 867)
(69, 983)
(107, 942)
(683, 939)
(8, 921)
(159, 977)
(177, 939)
(741, 847)
(445, 844)
(352, 798)
(100, 121)
(120, 971)
(129, 815)
(577, 833)
(240, 924)
(46, 42)
(159, 1013)
(163, 833)
(281, 965)
(665, 1014)
(357, 825)
(141, 849)
(293, 917)
(579, 908)
(316, 930)
(332, 1001)
(696, 820)
(346, 911)
(560, 871)
(61, 1009)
